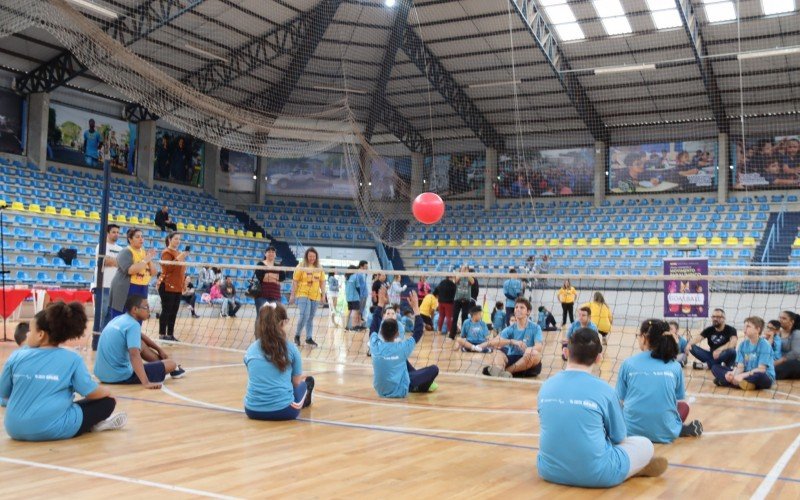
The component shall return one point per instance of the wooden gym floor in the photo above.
(473, 437)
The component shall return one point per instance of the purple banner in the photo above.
(686, 289)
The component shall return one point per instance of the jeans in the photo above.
(291, 412)
(761, 380)
(727, 356)
(421, 380)
(461, 307)
(306, 310)
(105, 311)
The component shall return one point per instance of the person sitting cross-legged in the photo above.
(584, 321)
(474, 333)
(120, 356)
(721, 340)
(518, 347)
(755, 367)
(394, 377)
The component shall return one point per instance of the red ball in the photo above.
(428, 208)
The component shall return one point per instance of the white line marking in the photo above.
(360, 426)
(114, 477)
(347, 399)
(752, 431)
(772, 476)
(212, 367)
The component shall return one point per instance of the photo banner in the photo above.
(179, 158)
(238, 171)
(554, 172)
(688, 166)
(766, 163)
(324, 175)
(11, 135)
(390, 178)
(455, 176)
(686, 289)
(88, 139)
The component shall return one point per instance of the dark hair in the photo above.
(795, 319)
(271, 336)
(169, 236)
(774, 323)
(598, 297)
(109, 227)
(331, 274)
(134, 301)
(435, 293)
(675, 324)
(362, 263)
(511, 270)
(132, 232)
(720, 310)
(523, 300)
(499, 305)
(587, 310)
(61, 321)
(630, 158)
(21, 332)
(389, 330)
(584, 346)
(662, 344)
(271, 248)
(475, 309)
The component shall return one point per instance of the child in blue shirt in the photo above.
(683, 341)
(519, 346)
(755, 368)
(40, 382)
(21, 332)
(474, 333)
(499, 317)
(276, 386)
(393, 375)
(584, 440)
(407, 322)
(650, 386)
(546, 320)
(512, 289)
(584, 321)
(773, 335)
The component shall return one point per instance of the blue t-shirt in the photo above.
(405, 324)
(531, 335)
(576, 325)
(40, 384)
(475, 332)
(512, 288)
(752, 356)
(267, 388)
(363, 290)
(92, 142)
(498, 320)
(351, 292)
(390, 372)
(651, 390)
(113, 362)
(776, 347)
(581, 421)
(333, 284)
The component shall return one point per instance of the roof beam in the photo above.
(134, 24)
(692, 28)
(545, 39)
(430, 66)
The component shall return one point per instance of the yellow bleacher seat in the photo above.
(624, 241)
(50, 210)
(595, 242)
(527, 243)
(502, 243)
(750, 241)
(33, 207)
(463, 243)
(567, 242)
(554, 242)
(122, 218)
(477, 243)
(3, 203)
(452, 243)
(211, 229)
(231, 231)
(701, 240)
(260, 236)
(417, 243)
(201, 228)
(638, 241)
(582, 242)
(716, 240)
(430, 243)
(240, 233)
(248, 234)
(684, 240)
(514, 243)
(146, 220)
(94, 215)
(80, 213)
(192, 227)
(135, 220)
(669, 241)
(609, 242)
(110, 217)
(65, 212)
(732, 240)
(653, 241)
(441, 243)
(180, 225)
(540, 242)
(15, 205)
(489, 243)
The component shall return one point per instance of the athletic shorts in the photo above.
(530, 372)
(155, 373)
(353, 305)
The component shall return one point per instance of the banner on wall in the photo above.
(766, 163)
(455, 175)
(323, 175)
(11, 136)
(238, 171)
(179, 158)
(686, 289)
(663, 167)
(390, 178)
(555, 172)
(87, 139)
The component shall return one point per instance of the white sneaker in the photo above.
(112, 423)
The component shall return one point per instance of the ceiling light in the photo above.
(616, 25)
(336, 89)
(608, 8)
(718, 12)
(204, 53)
(390, 3)
(777, 6)
(757, 54)
(94, 8)
(624, 69)
(569, 31)
(666, 19)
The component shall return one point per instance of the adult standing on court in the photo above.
(363, 291)
(423, 288)
(567, 295)
(270, 280)
(601, 315)
(461, 301)
(109, 268)
(512, 290)
(171, 287)
(134, 269)
(446, 290)
(788, 366)
(308, 288)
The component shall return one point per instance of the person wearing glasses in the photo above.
(721, 340)
(121, 358)
(772, 333)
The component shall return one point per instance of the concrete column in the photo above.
(146, 152)
(600, 169)
(38, 118)
(417, 174)
(723, 168)
(211, 177)
(489, 198)
(261, 180)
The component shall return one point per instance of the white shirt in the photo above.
(112, 250)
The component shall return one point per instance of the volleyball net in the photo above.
(739, 292)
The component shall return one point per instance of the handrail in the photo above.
(774, 236)
(386, 263)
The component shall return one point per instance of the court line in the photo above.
(774, 473)
(115, 477)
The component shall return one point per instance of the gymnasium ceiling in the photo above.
(488, 79)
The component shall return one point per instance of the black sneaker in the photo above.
(486, 371)
(718, 382)
(309, 389)
(692, 429)
(178, 373)
(163, 337)
(297, 340)
(311, 343)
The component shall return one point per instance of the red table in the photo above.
(70, 295)
(13, 298)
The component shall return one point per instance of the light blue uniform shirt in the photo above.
(776, 347)
(113, 362)
(499, 320)
(351, 293)
(363, 290)
(92, 141)
(390, 372)
(40, 384)
(651, 390)
(474, 331)
(581, 421)
(531, 335)
(576, 325)
(512, 288)
(267, 388)
(752, 356)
